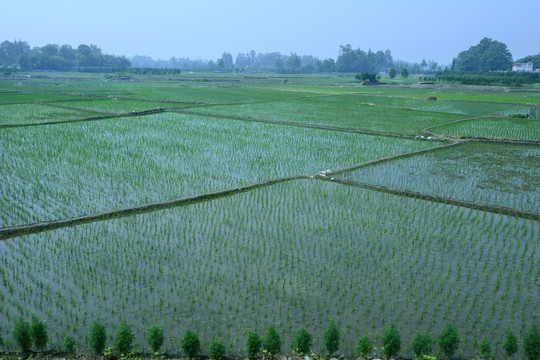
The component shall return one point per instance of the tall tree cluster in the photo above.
(488, 55)
(350, 60)
(56, 57)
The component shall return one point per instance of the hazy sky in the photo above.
(413, 30)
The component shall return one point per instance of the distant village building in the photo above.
(522, 66)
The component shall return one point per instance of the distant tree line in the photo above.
(33, 335)
(487, 56)
(60, 58)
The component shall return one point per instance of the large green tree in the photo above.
(488, 55)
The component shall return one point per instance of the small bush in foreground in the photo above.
(448, 340)
(68, 344)
(271, 341)
(38, 330)
(510, 345)
(364, 345)
(331, 337)
(253, 344)
(302, 342)
(421, 344)
(124, 339)
(22, 335)
(155, 338)
(217, 349)
(531, 343)
(484, 348)
(97, 337)
(190, 343)
(391, 341)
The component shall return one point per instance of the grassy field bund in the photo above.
(227, 203)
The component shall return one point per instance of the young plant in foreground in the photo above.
(217, 349)
(97, 336)
(331, 337)
(38, 330)
(253, 344)
(363, 347)
(510, 344)
(484, 348)
(69, 344)
(190, 343)
(302, 342)
(271, 341)
(155, 338)
(391, 341)
(124, 339)
(448, 340)
(531, 343)
(421, 344)
(22, 335)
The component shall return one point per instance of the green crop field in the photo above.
(224, 203)
(495, 128)
(495, 174)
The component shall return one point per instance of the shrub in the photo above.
(448, 340)
(22, 335)
(97, 337)
(68, 344)
(253, 344)
(531, 343)
(38, 329)
(155, 338)
(217, 349)
(510, 345)
(190, 343)
(484, 348)
(124, 339)
(331, 337)
(405, 72)
(302, 342)
(392, 73)
(271, 341)
(391, 341)
(421, 344)
(364, 345)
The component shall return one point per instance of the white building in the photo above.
(522, 66)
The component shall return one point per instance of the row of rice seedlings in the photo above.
(294, 254)
(61, 171)
(31, 97)
(522, 129)
(413, 92)
(34, 113)
(493, 174)
(119, 106)
(340, 111)
(473, 108)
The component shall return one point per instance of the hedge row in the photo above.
(33, 335)
(495, 78)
